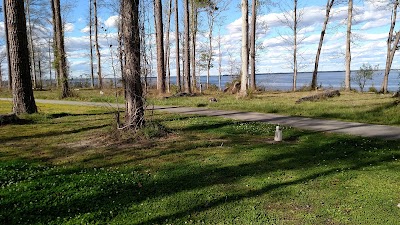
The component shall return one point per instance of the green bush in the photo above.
(365, 73)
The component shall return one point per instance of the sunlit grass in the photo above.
(63, 167)
(350, 106)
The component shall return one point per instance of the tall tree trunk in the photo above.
(91, 43)
(253, 45)
(120, 43)
(30, 43)
(392, 44)
(55, 46)
(295, 22)
(96, 39)
(134, 109)
(210, 52)
(245, 48)
(60, 50)
(211, 21)
(219, 60)
(1, 77)
(167, 47)
(348, 47)
(178, 68)
(329, 5)
(160, 46)
(23, 99)
(40, 72)
(7, 46)
(193, 16)
(186, 48)
(50, 65)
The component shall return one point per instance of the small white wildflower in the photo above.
(398, 205)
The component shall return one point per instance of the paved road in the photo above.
(358, 129)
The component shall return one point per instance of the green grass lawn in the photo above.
(66, 166)
(358, 107)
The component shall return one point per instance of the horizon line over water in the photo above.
(283, 81)
(278, 81)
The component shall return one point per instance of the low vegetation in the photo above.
(350, 106)
(63, 166)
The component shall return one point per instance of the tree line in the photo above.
(133, 56)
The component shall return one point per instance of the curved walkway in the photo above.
(319, 125)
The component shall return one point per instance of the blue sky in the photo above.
(371, 25)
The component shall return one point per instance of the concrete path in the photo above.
(319, 125)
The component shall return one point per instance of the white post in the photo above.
(278, 134)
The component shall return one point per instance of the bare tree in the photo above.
(96, 40)
(91, 43)
(167, 46)
(28, 4)
(177, 66)
(392, 46)
(214, 10)
(292, 19)
(329, 5)
(23, 99)
(219, 59)
(253, 44)
(160, 46)
(134, 106)
(7, 46)
(186, 48)
(60, 57)
(348, 47)
(245, 48)
(193, 15)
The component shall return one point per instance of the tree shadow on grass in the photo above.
(51, 133)
(118, 197)
(64, 114)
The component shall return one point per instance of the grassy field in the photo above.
(67, 165)
(358, 107)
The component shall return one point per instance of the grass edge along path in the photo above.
(318, 125)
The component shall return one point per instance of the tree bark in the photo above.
(23, 99)
(91, 43)
(120, 43)
(347, 83)
(295, 22)
(219, 60)
(134, 108)
(96, 40)
(186, 48)
(160, 46)
(55, 51)
(194, 14)
(210, 52)
(167, 48)
(60, 50)
(7, 46)
(178, 68)
(50, 64)
(329, 5)
(253, 45)
(30, 44)
(245, 52)
(392, 44)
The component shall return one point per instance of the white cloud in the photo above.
(375, 23)
(69, 27)
(85, 29)
(112, 21)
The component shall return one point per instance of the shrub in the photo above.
(365, 73)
